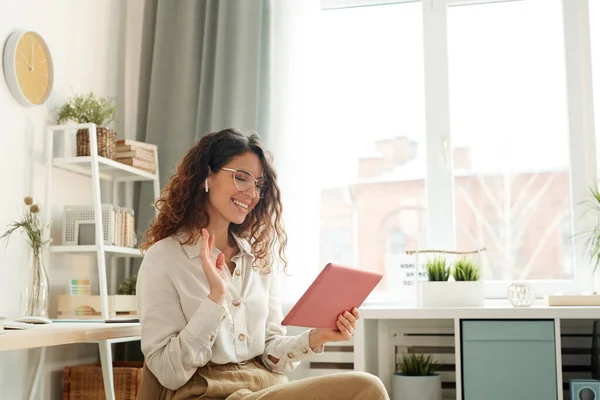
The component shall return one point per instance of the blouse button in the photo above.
(236, 303)
(212, 338)
(237, 272)
(223, 318)
(241, 336)
(305, 351)
(290, 355)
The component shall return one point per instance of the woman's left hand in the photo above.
(346, 323)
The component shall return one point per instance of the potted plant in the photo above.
(592, 244)
(431, 291)
(465, 290)
(469, 288)
(89, 108)
(593, 233)
(128, 286)
(126, 299)
(37, 234)
(416, 378)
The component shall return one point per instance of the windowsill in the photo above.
(287, 304)
(491, 310)
(489, 303)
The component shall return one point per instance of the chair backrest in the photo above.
(150, 388)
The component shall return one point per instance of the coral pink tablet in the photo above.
(335, 290)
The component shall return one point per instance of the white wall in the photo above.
(88, 43)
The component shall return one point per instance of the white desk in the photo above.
(59, 333)
(373, 351)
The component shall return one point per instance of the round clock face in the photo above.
(28, 68)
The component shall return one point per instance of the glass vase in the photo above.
(37, 293)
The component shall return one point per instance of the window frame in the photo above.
(439, 180)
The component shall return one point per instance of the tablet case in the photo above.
(335, 290)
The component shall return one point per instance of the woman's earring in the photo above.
(206, 185)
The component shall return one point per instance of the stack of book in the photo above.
(79, 226)
(125, 227)
(137, 154)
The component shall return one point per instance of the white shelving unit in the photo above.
(113, 250)
(98, 169)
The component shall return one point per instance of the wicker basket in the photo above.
(106, 142)
(84, 382)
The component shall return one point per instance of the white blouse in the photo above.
(183, 330)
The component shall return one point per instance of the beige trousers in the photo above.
(252, 381)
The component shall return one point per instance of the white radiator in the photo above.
(336, 357)
(435, 338)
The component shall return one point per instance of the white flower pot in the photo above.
(451, 294)
(416, 387)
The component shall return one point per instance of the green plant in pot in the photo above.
(437, 269)
(128, 286)
(593, 234)
(89, 108)
(414, 364)
(416, 378)
(464, 290)
(437, 280)
(38, 237)
(125, 302)
(465, 270)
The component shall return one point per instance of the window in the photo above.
(371, 91)
(594, 13)
(514, 182)
(396, 242)
(401, 230)
(565, 240)
(507, 97)
(336, 246)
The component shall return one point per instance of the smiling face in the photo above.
(226, 202)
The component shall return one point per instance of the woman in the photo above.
(207, 300)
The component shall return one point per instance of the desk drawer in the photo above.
(508, 330)
(513, 360)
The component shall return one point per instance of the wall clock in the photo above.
(28, 67)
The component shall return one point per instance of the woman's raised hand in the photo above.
(215, 271)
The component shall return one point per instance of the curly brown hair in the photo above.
(182, 203)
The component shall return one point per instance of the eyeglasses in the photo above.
(244, 179)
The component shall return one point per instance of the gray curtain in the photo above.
(206, 65)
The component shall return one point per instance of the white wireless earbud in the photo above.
(206, 185)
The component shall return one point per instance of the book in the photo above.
(136, 162)
(128, 144)
(88, 320)
(137, 153)
(17, 325)
(123, 320)
(80, 287)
